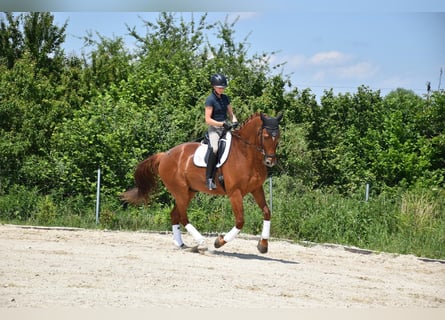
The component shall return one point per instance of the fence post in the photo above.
(367, 192)
(98, 196)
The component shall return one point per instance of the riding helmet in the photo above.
(218, 80)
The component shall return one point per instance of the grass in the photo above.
(407, 222)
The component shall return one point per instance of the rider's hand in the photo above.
(227, 126)
(235, 124)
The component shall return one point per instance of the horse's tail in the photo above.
(146, 180)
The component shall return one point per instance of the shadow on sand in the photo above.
(246, 256)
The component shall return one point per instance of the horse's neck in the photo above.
(249, 132)
(249, 140)
(248, 143)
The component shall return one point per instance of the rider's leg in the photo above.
(211, 162)
(210, 170)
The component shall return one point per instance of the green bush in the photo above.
(19, 204)
(410, 222)
(421, 223)
(46, 212)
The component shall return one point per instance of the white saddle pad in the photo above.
(200, 153)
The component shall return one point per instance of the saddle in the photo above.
(201, 154)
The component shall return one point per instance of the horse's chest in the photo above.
(255, 180)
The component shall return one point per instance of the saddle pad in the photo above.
(200, 153)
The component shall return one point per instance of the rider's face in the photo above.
(219, 90)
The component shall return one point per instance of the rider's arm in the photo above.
(231, 114)
(208, 117)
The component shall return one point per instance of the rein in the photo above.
(272, 127)
(259, 148)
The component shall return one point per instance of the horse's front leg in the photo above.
(260, 199)
(236, 200)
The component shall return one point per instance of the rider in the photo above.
(217, 107)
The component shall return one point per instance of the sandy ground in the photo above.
(44, 268)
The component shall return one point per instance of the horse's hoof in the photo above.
(262, 246)
(186, 248)
(183, 247)
(219, 242)
(202, 247)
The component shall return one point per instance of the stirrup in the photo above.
(210, 184)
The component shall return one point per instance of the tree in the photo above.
(411, 140)
(43, 40)
(36, 34)
(11, 39)
(37, 92)
(107, 64)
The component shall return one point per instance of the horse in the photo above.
(253, 150)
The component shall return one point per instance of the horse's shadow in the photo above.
(246, 256)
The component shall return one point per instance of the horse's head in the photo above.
(269, 138)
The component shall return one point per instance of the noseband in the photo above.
(273, 131)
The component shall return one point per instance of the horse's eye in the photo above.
(271, 132)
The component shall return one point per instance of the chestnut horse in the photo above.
(252, 151)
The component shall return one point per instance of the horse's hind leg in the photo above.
(179, 215)
(176, 228)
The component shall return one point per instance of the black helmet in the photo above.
(218, 80)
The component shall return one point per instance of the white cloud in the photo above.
(320, 59)
(295, 61)
(327, 66)
(359, 70)
(329, 58)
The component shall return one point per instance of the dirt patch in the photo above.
(56, 267)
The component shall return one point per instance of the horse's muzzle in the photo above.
(270, 160)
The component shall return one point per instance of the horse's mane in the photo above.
(255, 115)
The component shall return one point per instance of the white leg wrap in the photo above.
(265, 234)
(177, 238)
(195, 233)
(231, 234)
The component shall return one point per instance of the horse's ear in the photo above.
(262, 116)
(280, 116)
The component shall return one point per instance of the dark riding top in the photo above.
(219, 105)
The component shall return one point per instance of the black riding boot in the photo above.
(210, 171)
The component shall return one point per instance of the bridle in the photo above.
(273, 131)
(272, 127)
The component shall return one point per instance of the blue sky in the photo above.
(339, 44)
